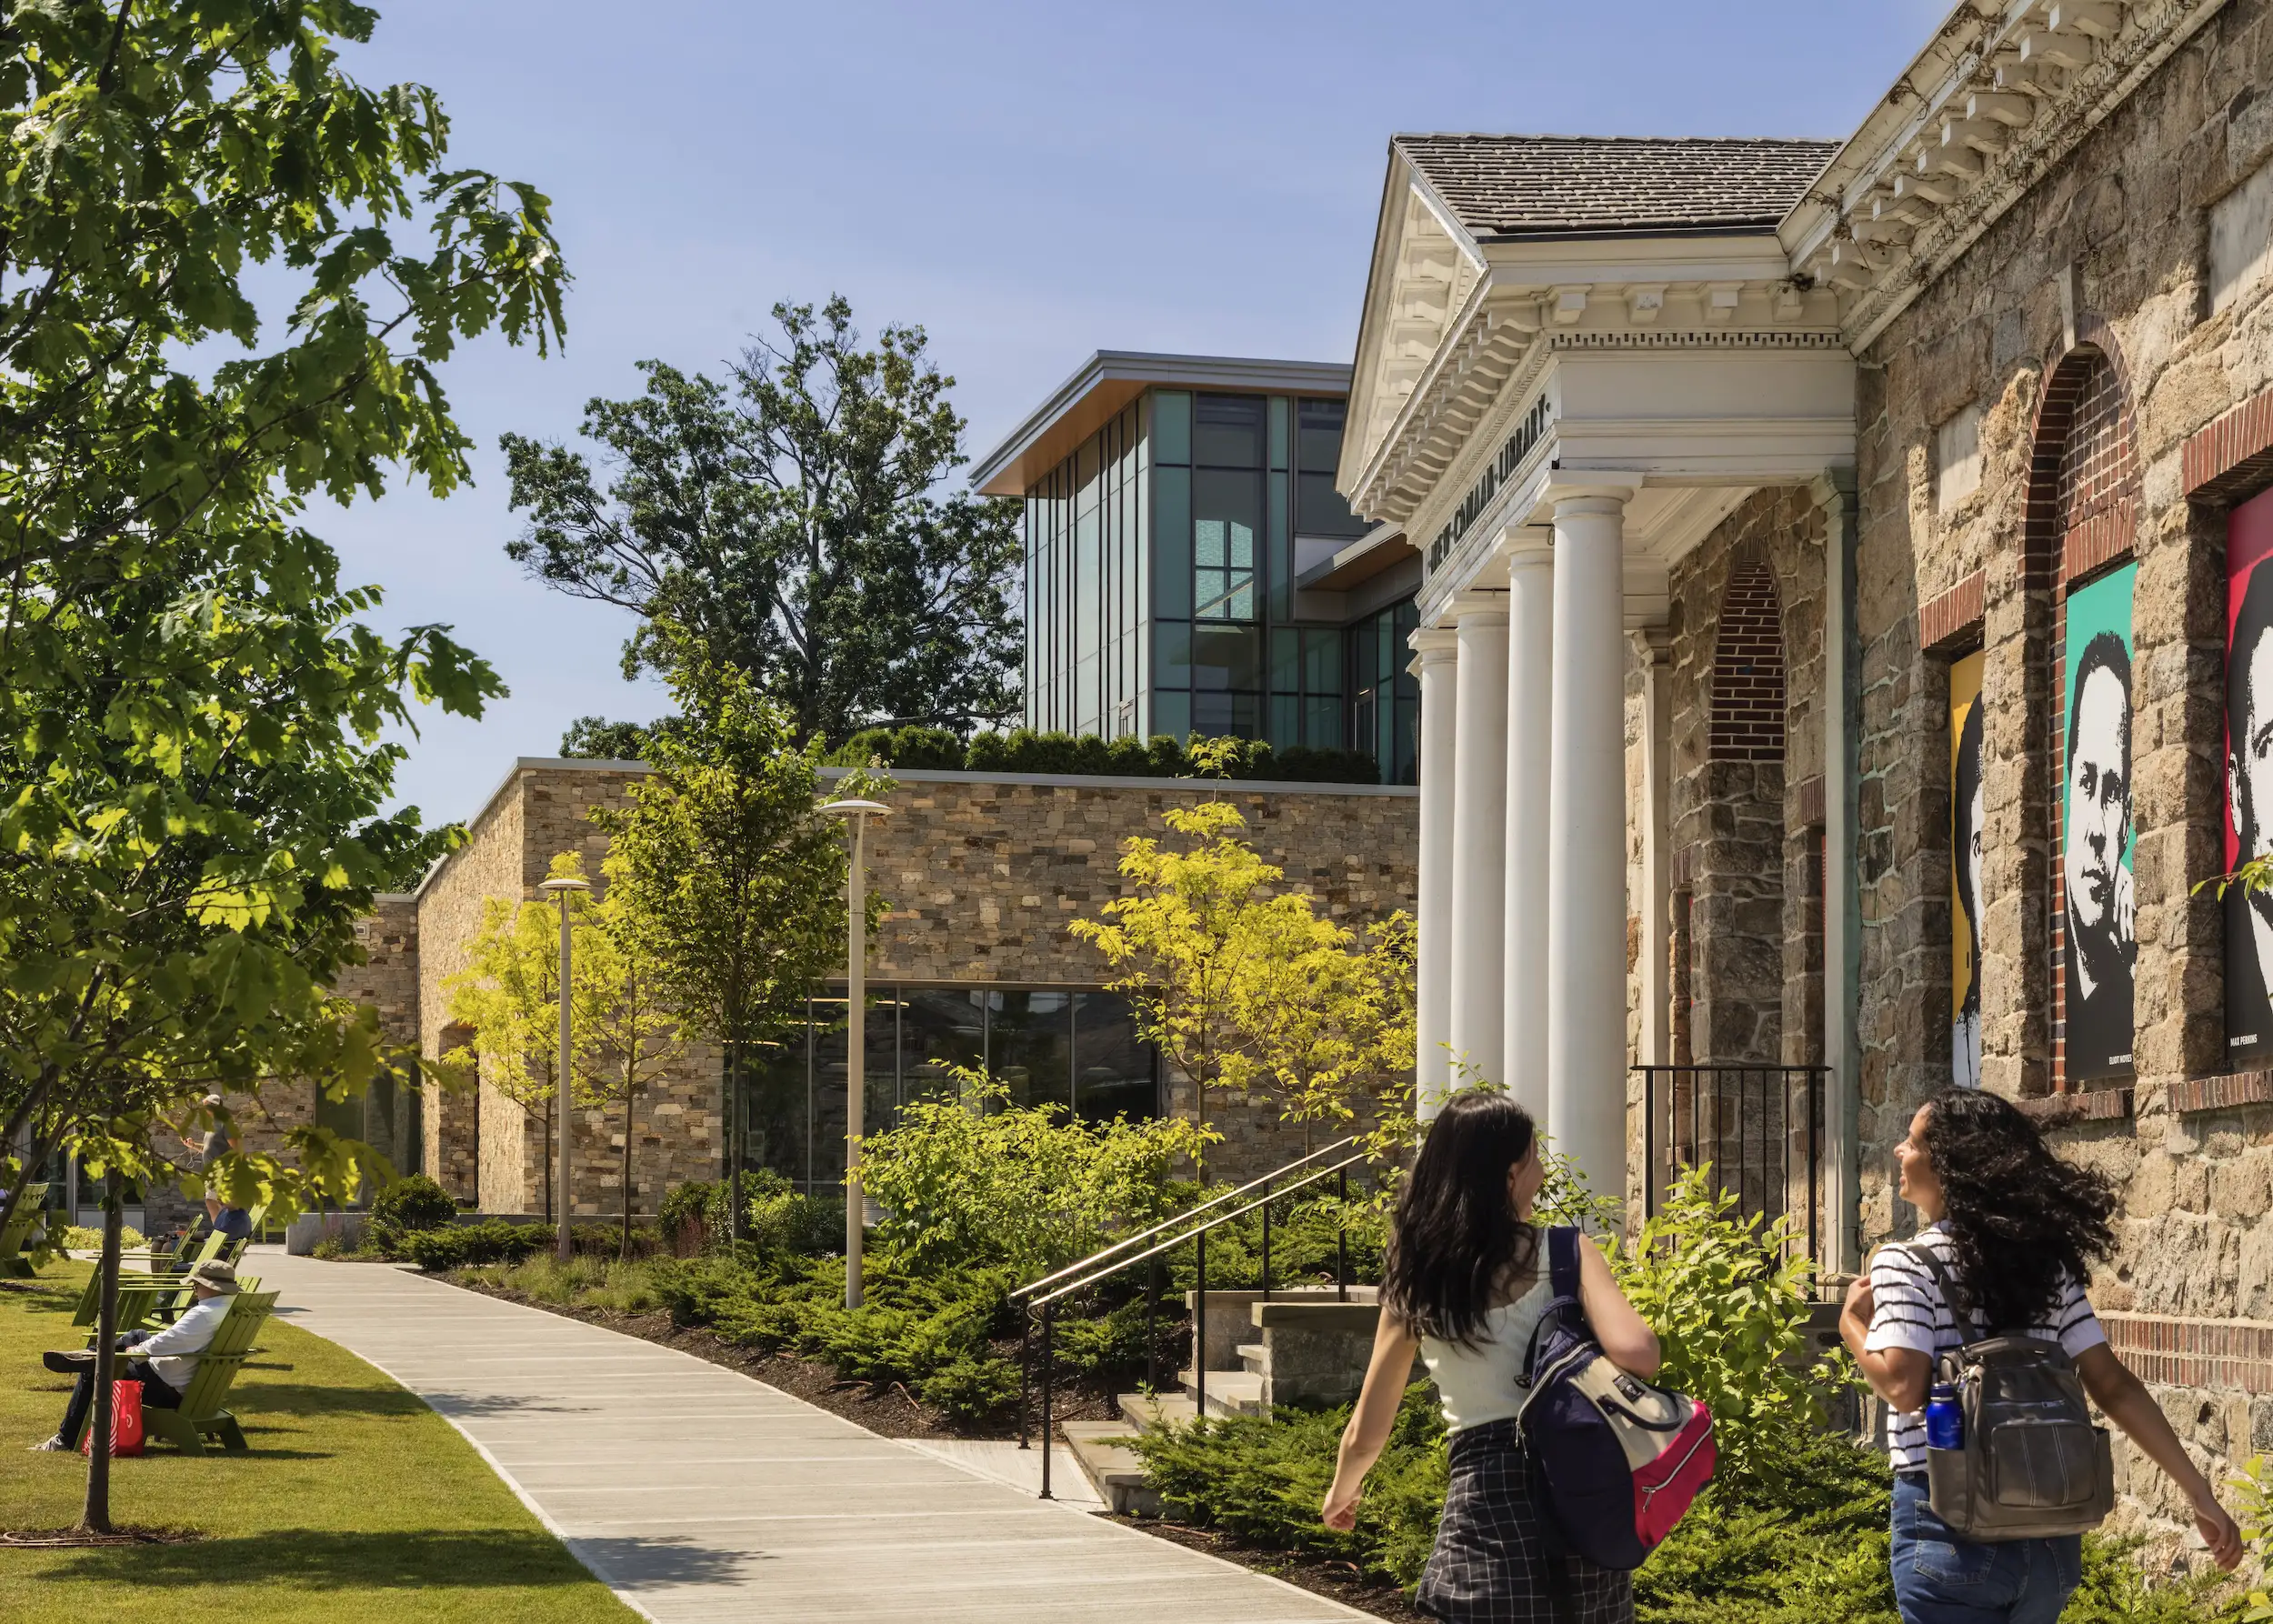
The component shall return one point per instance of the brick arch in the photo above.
(2083, 461)
(1747, 716)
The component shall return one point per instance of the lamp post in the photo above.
(855, 1030)
(562, 888)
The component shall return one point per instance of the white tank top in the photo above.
(1478, 1383)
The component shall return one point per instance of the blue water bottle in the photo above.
(1945, 1418)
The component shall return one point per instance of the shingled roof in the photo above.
(1531, 186)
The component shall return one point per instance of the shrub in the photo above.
(1262, 1478)
(584, 1282)
(776, 1217)
(1163, 755)
(495, 1241)
(416, 1202)
(977, 1181)
(1729, 1301)
(78, 1237)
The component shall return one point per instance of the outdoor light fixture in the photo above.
(856, 1029)
(561, 887)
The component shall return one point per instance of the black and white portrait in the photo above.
(2101, 935)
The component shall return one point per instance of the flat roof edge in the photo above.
(1157, 367)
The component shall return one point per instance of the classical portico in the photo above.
(1578, 359)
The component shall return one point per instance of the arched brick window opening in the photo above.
(2081, 521)
(1748, 712)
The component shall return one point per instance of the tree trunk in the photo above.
(623, 1252)
(95, 1517)
(734, 1144)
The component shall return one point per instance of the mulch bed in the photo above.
(1322, 1576)
(75, 1538)
(891, 1411)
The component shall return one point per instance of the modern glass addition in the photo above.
(1200, 632)
(1385, 697)
(1077, 1046)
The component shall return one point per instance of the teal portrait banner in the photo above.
(2100, 910)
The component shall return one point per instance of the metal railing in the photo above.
(1191, 1227)
(1759, 1127)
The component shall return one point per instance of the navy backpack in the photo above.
(1620, 1460)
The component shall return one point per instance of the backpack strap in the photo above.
(1942, 1281)
(1562, 1262)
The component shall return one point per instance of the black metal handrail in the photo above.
(1744, 1123)
(1096, 1269)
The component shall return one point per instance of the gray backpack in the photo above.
(2033, 1463)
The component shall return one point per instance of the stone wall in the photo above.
(2110, 251)
(1746, 811)
(981, 879)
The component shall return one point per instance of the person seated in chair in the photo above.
(164, 1360)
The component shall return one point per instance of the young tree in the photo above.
(737, 879)
(1188, 939)
(1329, 1014)
(790, 523)
(636, 1035)
(509, 995)
(1250, 991)
(191, 715)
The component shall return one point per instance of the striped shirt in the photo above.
(1908, 1312)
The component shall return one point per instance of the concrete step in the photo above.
(1156, 1410)
(1252, 1355)
(1113, 1468)
(1229, 1392)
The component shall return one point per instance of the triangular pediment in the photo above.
(1424, 268)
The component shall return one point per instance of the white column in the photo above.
(1842, 914)
(1585, 909)
(1438, 652)
(1479, 844)
(1530, 726)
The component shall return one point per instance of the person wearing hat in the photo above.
(164, 1360)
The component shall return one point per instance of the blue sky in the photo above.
(1027, 182)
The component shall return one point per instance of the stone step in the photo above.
(1156, 1410)
(1113, 1468)
(1229, 1392)
(1252, 1355)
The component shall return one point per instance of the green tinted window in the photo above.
(1171, 426)
(1172, 542)
(1228, 430)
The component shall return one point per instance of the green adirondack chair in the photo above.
(201, 1414)
(30, 1211)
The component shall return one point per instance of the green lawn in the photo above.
(354, 1502)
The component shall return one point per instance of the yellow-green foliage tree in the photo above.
(633, 1034)
(509, 994)
(1245, 988)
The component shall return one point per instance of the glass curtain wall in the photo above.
(1085, 526)
(1385, 698)
(1077, 1048)
(1198, 633)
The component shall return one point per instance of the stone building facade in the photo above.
(1925, 403)
(981, 876)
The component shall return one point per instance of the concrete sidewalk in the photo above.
(697, 1494)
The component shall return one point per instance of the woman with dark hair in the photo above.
(2015, 1229)
(1465, 1286)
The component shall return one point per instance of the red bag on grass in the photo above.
(125, 1422)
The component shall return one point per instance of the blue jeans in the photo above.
(1939, 1579)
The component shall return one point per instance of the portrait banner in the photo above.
(1965, 870)
(2099, 909)
(2249, 759)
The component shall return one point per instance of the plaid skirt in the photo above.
(1498, 1558)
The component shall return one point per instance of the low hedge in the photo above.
(456, 1246)
(1163, 755)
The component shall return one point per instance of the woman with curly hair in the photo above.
(2016, 1230)
(1465, 1288)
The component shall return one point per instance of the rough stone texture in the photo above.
(981, 881)
(2127, 208)
(1742, 847)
